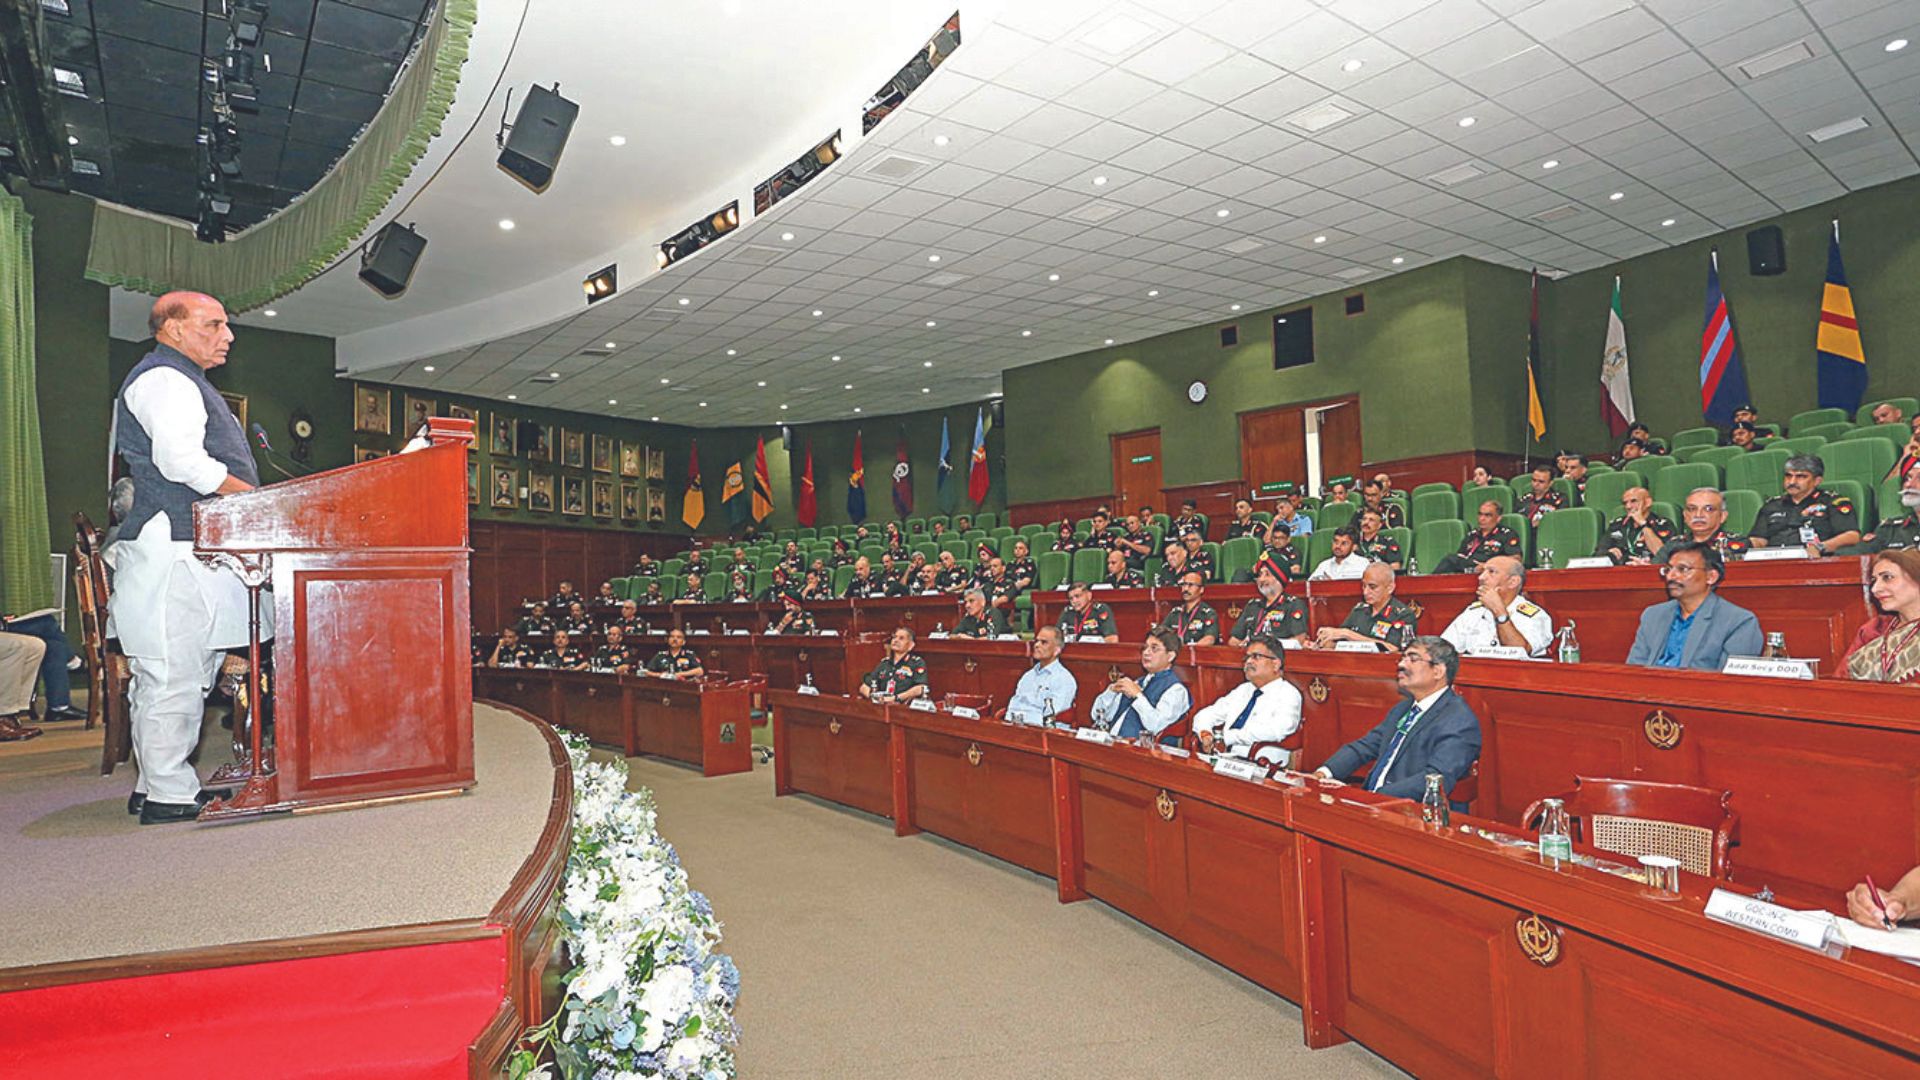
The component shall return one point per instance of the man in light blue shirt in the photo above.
(1047, 689)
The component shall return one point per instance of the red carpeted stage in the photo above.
(405, 940)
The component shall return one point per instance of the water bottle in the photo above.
(1434, 809)
(1776, 645)
(1413, 564)
(1544, 558)
(1569, 645)
(1046, 711)
(1556, 839)
(939, 628)
(809, 678)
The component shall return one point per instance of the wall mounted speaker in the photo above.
(388, 260)
(532, 148)
(1229, 336)
(1766, 252)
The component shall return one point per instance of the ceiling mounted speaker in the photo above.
(388, 260)
(530, 149)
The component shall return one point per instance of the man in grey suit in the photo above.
(1434, 730)
(1696, 628)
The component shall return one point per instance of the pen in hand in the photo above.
(1874, 891)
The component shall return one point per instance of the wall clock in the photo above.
(1197, 392)
(300, 426)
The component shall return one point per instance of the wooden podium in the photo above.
(373, 694)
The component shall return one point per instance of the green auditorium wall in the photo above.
(1663, 295)
(70, 354)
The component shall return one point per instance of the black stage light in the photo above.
(530, 148)
(602, 283)
(211, 226)
(387, 262)
(236, 81)
(246, 22)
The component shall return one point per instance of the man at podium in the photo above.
(173, 613)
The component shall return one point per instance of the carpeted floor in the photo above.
(79, 878)
(864, 956)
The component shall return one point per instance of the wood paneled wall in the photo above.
(512, 562)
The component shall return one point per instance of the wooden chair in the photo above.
(1638, 817)
(1288, 749)
(106, 666)
(1464, 793)
(980, 703)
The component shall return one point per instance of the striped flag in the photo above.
(977, 473)
(693, 506)
(807, 511)
(1723, 378)
(1536, 414)
(1842, 362)
(1616, 391)
(762, 483)
(946, 496)
(857, 485)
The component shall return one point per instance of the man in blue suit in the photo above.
(1695, 628)
(1434, 730)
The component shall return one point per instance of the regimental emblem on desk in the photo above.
(1417, 608)
(971, 665)
(974, 756)
(801, 656)
(833, 726)
(1233, 611)
(1539, 939)
(1317, 690)
(666, 701)
(1164, 803)
(726, 733)
(1663, 731)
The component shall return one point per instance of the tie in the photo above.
(1240, 721)
(1400, 731)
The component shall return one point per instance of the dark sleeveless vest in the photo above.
(1153, 689)
(154, 493)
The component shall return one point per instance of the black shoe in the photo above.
(207, 795)
(155, 813)
(66, 712)
(135, 801)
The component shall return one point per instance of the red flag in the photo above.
(857, 485)
(977, 477)
(808, 510)
(762, 484)
(902, 479)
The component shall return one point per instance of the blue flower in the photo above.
(700, 903)
(648, 1064)
(729, 977)
(624, 1034)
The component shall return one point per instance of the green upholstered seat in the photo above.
(841, 576)
(988, 521)
(1405, 536)
(1471, 498)
(1604, 491)
(1907, 406)
(1671, 484)
(1897, 434)
(1742, 507)
(671, 568)
(1523, 529)
(1803, 444)
(1570, 534)
(938, 519)
(1435, 540)
(1758, 471)
(1089, 564)
(1693, 436)
(999, 531)
(1798, 422)
(1722, 456)
(1051, 569)
(1424, 488)
(670, 588)
(1437, 502)
(1832, 431)
(1647, 466)
(714, 586)
(762, 580)
(1865, 462)
(1236, 555)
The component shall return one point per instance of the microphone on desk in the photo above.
(266, 447)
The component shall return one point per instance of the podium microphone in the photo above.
(260, 436)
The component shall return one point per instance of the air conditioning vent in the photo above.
(1094, 213)
(1319, 117)
(896, 167)
(1459, 174)
(1558, 213)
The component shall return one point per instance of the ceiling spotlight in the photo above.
(602, 283)
(506, 224)
(613, 344)
(1099, 181)
(733, 352)
(269, 313)
(1397, 260)
(1053, 277)
(513, 397)
(1353, 65)
(1222, 212)
(1616, 196)
(684, 301)
(941, 140)
(654, 418)
(703, 404)
(933, 258)
(817, 313)
(786, 236)
(617, 140)
(663, 380)
(1109, 341)
(1233, 307)
(848, 386)
(1468, 121)
(931, 324)
(1319, 239)
(836, 358)
(73, 140)
(783, 408)
(926, 363)
(1896, 44)
(1153, 292)
(1026, 333)
(1668, 223)
(553, 374)
(1550, 163)
(611, 401)
(761, 383)
(856, 408)
(427, 368)
(926, 389)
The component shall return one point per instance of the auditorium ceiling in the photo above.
(1083, 171)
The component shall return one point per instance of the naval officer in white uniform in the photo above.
(1502, 615)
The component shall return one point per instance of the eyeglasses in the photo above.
(1252, 656)
(1680, 570)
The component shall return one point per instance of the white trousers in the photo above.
(168, 694)
(19, 670)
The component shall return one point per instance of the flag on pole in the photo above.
(1723, 378)
(762, 483)
(902, 478)
(733, 495)
(808, 510)
(693, 508)
(857, 485)
(977, 472)
(1616, 390)
(1842, 362)
(1536, 415)
(945, 494)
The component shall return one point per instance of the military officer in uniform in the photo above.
(1281, 552)
(628, 619)
(1339, 493)
(676, 661)
(564, 655)
(1489, 538)
(795, 619)
(692, 591)
(1379, 617)
(1274, 614)
(1576, 473)
(1376, 544)
(1541, 495)
(564, 599)
(646, 567)
(696, 564)
(980, 620)
(1136, 542)
(510, 651)
(575, 620)
(952, 577)
(1806, 514)
(739, 589)
(1120, 575)
(1198, 558)
(901, 674)
(1285, 511)
(1374, 498)
(929, 582)
(1899, 532)
(1063, 539)
(1244, 523)
(1193, 620)
(741, 564)
(1704, 516)
(1172, 565)
(863, 584)
(535, 622)
(1501, 615)
(1097, 532)
(1745, 436)
(1023, 571)
(616, 655)
(1084, 617)
(792, 561)
(842, 555)
(654, 597)
(999, 586)
(1635, 537)
(815, 587)
(776, 588)
(605, 600)
(1189, 523)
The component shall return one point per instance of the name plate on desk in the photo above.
(809, 690)
(829, 633)
(1094, 735)
(701, 633)
(922, 704)
(739, 633)
(965, 713)
(1099, 585)
(1768, 554)
(1801, 928)
(1006, 637)
(1239, 768)
(1021, 717)
(1589, 562)
(1090, 639)
(1498, 652)
(937, 636)
(1355, 646)
(1770, 667)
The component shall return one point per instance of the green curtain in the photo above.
(153, 255)
(26, 577)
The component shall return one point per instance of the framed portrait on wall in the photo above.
(540, 492)
(630, 459)
(603, 498)
(573, 495)
(630, 502)
(501, 435)
(506, 479)
(371, 410)
(419, 411)
(461, 412)
(362, 453)
(238, 404)
(537, 440)
(473, 481)
(573, 449)
(656, 464)
(603, 453)
(656, 505)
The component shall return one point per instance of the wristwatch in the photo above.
(1501, 620)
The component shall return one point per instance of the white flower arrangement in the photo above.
(647, 996)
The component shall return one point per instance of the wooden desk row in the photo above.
(706, 724)
(1448, 953)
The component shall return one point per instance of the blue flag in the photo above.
(946, 493)
(1842, 362)
(1723, 378)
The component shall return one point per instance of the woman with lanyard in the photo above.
(1887, 648)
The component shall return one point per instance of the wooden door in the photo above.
(1340, 453)
(1136, 471)
(1273, 446)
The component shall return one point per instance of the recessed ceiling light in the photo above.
(836, 358)
(941, 140)
(513, 397)
(663, 380)
(617, 140)
(428, 367)
(703, 404)
(1397, 260)
(73, 140)
(1616, 196)
(817, 313)
(611, 401)
(926, 363)
(1319, 239)
(553, 374)
(654, 418)
(931, 324)
(1468, 121)
(684, 301)
(613, 344)
(1109, 341)
(783, 408)
(1353, 65)
(1153, 292)
(733, 352)
(1233, 307)
(269, 313)
(506, 224)
(856, 408)
(996, 393)
(926, 389)
(1099, 181)
(848, 386)
(1668, 223)
(1896, 44)
(762, 382)
(1834, 131)
(933, 258)
(1222, 212)
(1550, 163)
(1053, 277)
(786, 236)
(1026, 333)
